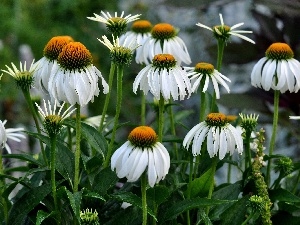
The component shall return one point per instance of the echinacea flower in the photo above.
(164, 40)
(45, 64)
(9, 133)
(164, 77)
(140, 31)
(278, 70)
(53, 119)
(220, 136)
(142, 152)
(203, 72)
(114, 24)
(120, 54)
(223, 31)
(74, 78)
(23, 77)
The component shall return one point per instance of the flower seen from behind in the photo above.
(23, 77)
(164, 40)
(140, 31)
(45, 64)
(74, 78)
(142, 152)
(164, 77)
(204, 72)
(223, 32)
(9, 133)
(220, 137)
(115, 24)
(120, 54)
(278, 70)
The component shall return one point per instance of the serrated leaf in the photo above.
(94, 195)
(188, 204)
(75, 202)
(132, 199)
(26, 203)
(104, 180)
(93, 137)
(41, 216)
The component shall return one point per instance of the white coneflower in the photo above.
(74, 78)
(220, 136)
(52, 119)
(23, 77)
(114, 24)
(278, 70)
(164, 40)
(121, 54)
(140, 31)
(205, 72)
(45, 64)
(224, 32)
(9, 133)
(142, 152)
(164, 77)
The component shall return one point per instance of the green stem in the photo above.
(144, 197)
(248, 218)
(221, 45)
(2, 188)
(191, 171)
(202, 103)
(161, 106)
(211, 188)
(52, 166)
(273, 137)
(107, 98)
(77, 150)
(36, 121)
(143, 109)
(229, 170)
(248, 162)
(116, 119)
(173, 129)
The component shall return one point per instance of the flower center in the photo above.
(163, 31)
(204, 68)
(216, 119)
(116, 25)
(143, 137)
(55, 45)
(74, 56)
(279, 51)
(221, 32)
(52, 124)
(164, 61)
(141, 26)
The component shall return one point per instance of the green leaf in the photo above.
(228, 192)
(283, 195)
(132, 199)
(93, 195)
(75, 202)
(200, 186)
(104, 180)
(188, 204)
(41, 216)
(26, 203)
(25, 157)
(93, 137)
(236, 213)
(158, 194)
(64, 157)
